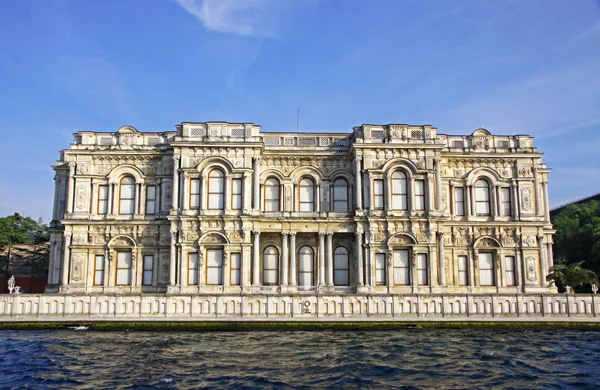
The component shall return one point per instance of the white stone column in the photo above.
(538, 196)
(182, 264)
(318, 198)
(186, 191)
(358, 186)
(176, 182)
(546, 202)
(321, 258)
(359, 258)
(136, 198)
(107, 267)
(515, 200)
(256, 184)
(143, 199)
(246, 190)
(441, 259)
(293, 272)
(227, 193)
(71, 191)
(256, 259)
(203, 194)
(518, 270)
(438, 184)
(498, 201)
(410, 195)
(543, 260)
(429, 193)
(469, 205)
(53, 259)
(173, 257)
(549, 256)
(284, 259)
(64, 280)
(329, 259)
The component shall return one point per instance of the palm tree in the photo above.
(571, 275)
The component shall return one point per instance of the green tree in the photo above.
(18, 230)
(577, 235)
(572, 275)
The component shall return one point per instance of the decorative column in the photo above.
(546, 202)
(246, 192)
(358, 189)
(413, 271)
(321, 258)
(515, 200)
(53, 245)
(410, 195)
(186, 191)
(441, 258)
(519, 275)
(429, 194)
(203, 194)
(143, 199)
(256, 184)
(438, 184)
(543, 262)
(498, 201)
(227, 193)
(256, 259)
(549, 256)
(468, 205)
(176, 182)
(387, 193)
(538, 196)
(318, 198)
(329, 259)
(64, 281)
(107, 267)
(173, 258)
(284, 259)
(359, 258)
(71, 192)
(293, 275)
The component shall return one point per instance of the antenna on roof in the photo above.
(298, 121)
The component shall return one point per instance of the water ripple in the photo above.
(405, 359)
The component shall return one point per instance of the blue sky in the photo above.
(513, 67)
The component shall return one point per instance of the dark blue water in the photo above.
(411, 358)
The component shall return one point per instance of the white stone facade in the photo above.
(224, 210)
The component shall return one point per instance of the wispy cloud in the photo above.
(237, 17)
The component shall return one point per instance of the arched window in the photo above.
(307, 195)
(272, 194)
(270, 266)
(126, 196)
(341, 267)
(306, 268)
(399, 191)
(482, 197)
(340, 196)
(216, 189)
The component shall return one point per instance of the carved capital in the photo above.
(292, 234)
(256, 234)
(321, 235)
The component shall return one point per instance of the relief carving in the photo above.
(526, 199)
(77, 268)
(531, 269)
(82, 196)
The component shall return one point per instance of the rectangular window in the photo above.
(307, 199)
(194, 194)
(380, 269)
(150, 200)
(102, 199)
(505, 206)
(459, 201)
(193, 269)
(462, 271)
(378, 194)
(486, 269)
(236, 194)
(510, 271)
(401, 267)
(99, 270)
(236, 265)
(214, 267)
(422, 278)
(340, 198)
(147, 272)
(419, 195)
(123, 268)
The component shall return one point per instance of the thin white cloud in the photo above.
(237, 17)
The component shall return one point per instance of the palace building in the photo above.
(224, 209)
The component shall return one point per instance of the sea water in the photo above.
(408, 358)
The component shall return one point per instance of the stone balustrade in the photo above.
(299, 306)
